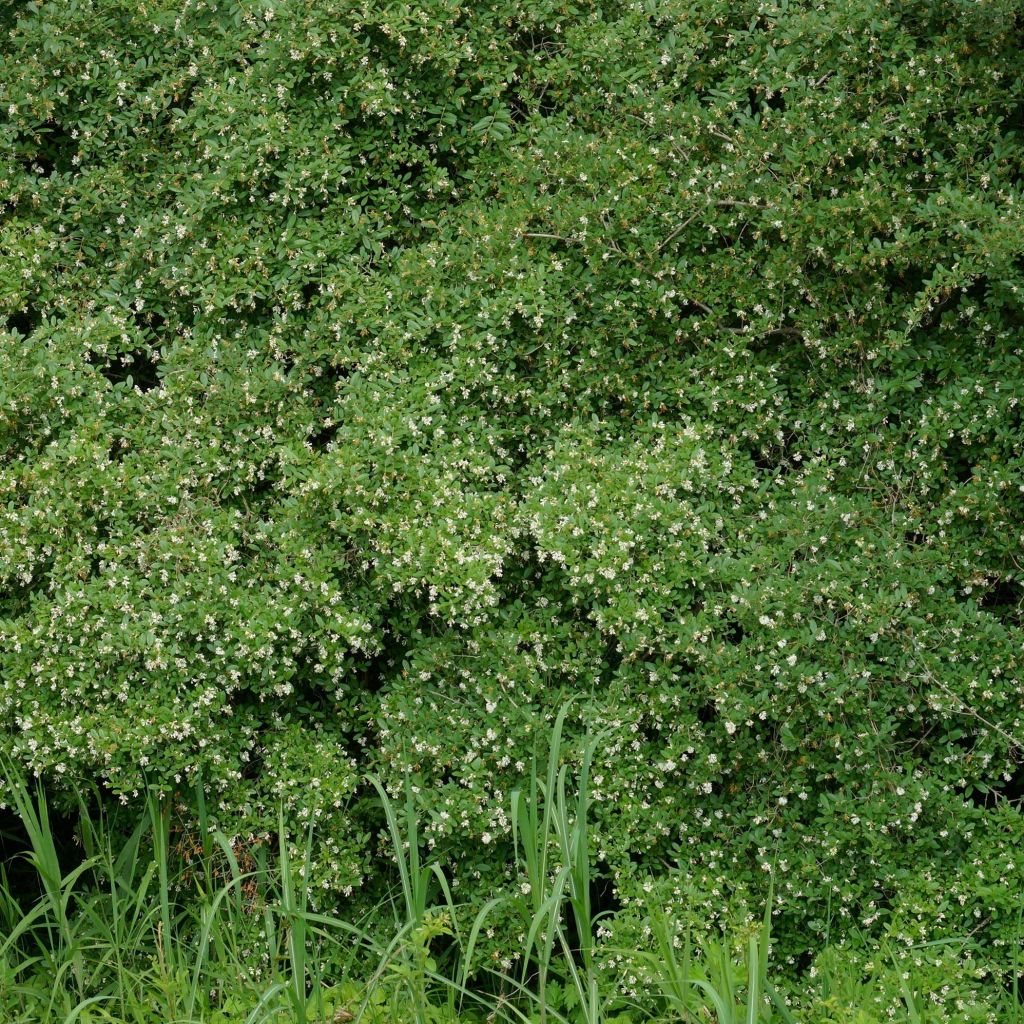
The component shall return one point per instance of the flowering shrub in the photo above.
(376, 377)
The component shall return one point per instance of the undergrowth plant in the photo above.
(135, 933)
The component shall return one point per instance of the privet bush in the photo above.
(376, 377)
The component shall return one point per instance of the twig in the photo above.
(693, 216)
(545, 234)
(967, 709)
(686, 223)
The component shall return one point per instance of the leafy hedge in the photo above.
(377, 376)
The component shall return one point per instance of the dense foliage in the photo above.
(377, 377)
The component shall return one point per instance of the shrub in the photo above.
(376, 377)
